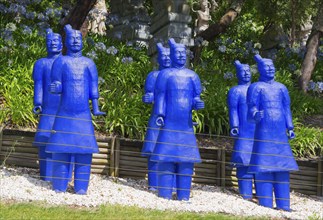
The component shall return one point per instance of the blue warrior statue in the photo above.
(241, 129)
(75, 77)
(45, 103)
(272, 158)
(153, 129)
(176, 151)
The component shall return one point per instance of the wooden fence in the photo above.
(121, 157)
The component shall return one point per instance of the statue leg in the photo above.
(165, 179)
(264, 188)
(61, 165)
(152, 175)
(184, 180)
(244, 182)
(282, 189)
(45, 164)
(82, 172)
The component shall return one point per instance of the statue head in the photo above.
(204, 4)
(163, 56)
(242, 72)
(73, 39)
(266, 68)
(177, 53)
(53, 42)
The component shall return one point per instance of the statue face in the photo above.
(74, 41)
(267, 69)
(179, 57)
(164, 58)
(204, 5)
(54, 43)
(244, 74)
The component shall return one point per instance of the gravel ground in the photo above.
(22, 185)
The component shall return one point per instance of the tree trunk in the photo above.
(216, 29)
(312, 45)
(76, 17)
(293, 29)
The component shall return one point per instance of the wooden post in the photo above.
(320, 177)
(117, 158)
(223, 167)
(112, 159)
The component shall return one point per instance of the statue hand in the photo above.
(259, 115)
(148, 98)
(198, 104)
(55, 87)
(234, 132)
(37, 109)
(98, 113)
(291, 134)
(160, 121)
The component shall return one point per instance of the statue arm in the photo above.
(56, 77)
(160, 105)
(254, 113)
(233, 100)
(198, 103)
(38, 86)
(287, 111)
(93, 88)
(148, 97)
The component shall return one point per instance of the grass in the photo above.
(41, 211)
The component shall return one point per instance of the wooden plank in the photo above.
(18, 138)
(300, 177)
(17, 143)
(100, 161)
(136, 159)
(32, 163)
(23, 156)
(100, 156)
(32, 150)
(99, 166)
(303, 187)
(130, 174)
(205, 171)
(130, 150)
(99, 170)
(204, 181)
(132, 163)
(103, 150)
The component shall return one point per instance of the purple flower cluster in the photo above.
(127, 60)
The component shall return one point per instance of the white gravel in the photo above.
(22, 185)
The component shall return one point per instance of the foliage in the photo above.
(308, 141)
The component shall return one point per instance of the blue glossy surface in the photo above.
(178, 92)
(269, 108)
(241, 128)
(150, 97)
(272, 158)
(152, 129)
(45, 103)
(75, 77)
